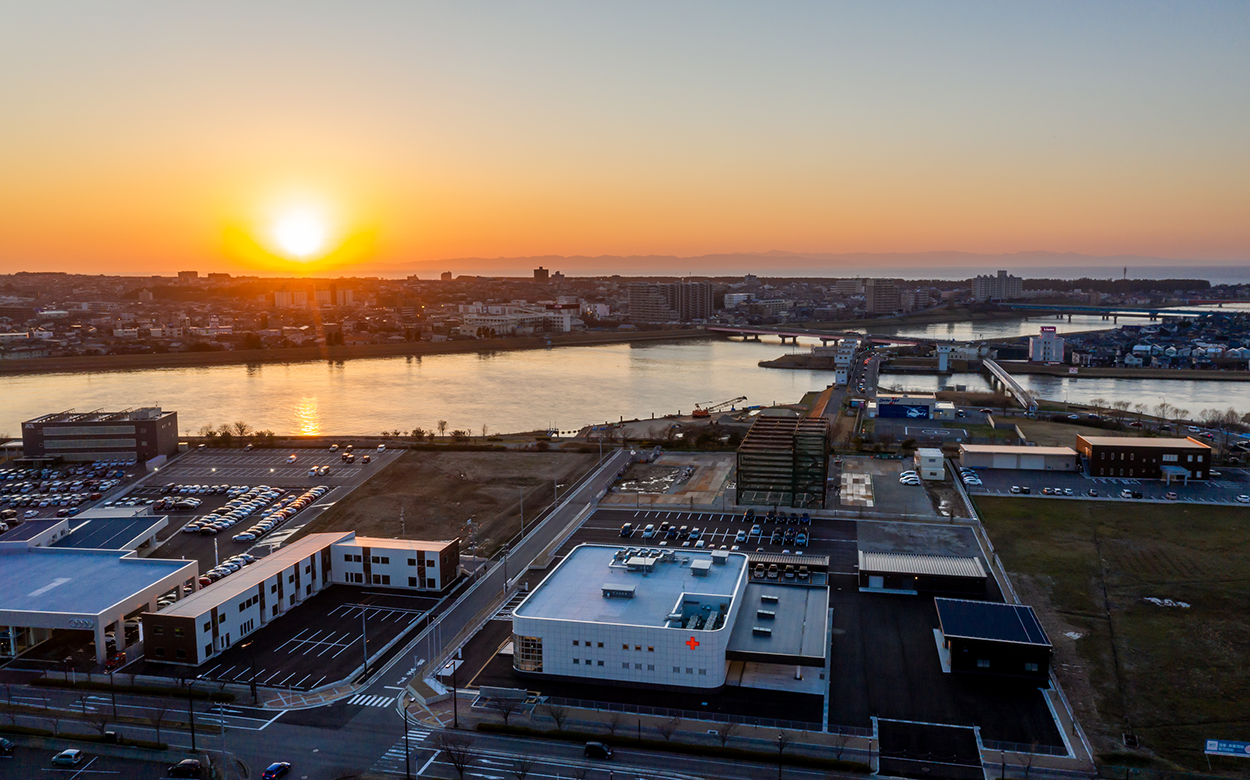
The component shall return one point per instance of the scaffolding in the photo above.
(784, 462)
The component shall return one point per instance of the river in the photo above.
(562, 388)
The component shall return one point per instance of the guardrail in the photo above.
(1016, 747)
(715, 717)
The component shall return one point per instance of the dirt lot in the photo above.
(1145, 604)
(1045, 433)
(441, 490)
(676, 478)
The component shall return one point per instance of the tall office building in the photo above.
(541, 274)
(1000, 287)
(651, 302)
(881, 296)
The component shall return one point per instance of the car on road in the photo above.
(71, 757)
(598, 750)
(187, 767)
(364, 459)
(1243, 499)
(276, 770)
(1093, 492)
(649, 531)
(6, 747)
(290, 458)
(1171, 495)
(1015, 488)
(381, 448)
(627, 529)
(755, 530)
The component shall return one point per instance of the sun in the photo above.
(301, 234)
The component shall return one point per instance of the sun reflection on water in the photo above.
(308, 417)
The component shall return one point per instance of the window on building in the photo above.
(160, 652)
(638, 648)
(703, 671)
(983, 663)
(208, 649)
(275, 609)
(676, 670)
(431, 583)
(412, 561)
(624, 647)
(273, 588)
(638, 666)
(221, 618)
(689, 670)
(1189, 458)
(180, 653)
(650, 649)
(624, 664)
(1030, 667)
(158, 630)
(600, 644)
(650, 667)
(574, 643)
(412, 582)
(292, 599)
(347, 558)
(601, 663)
(576, 661)
(527, 653)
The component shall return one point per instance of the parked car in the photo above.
(71, 757)
(6, 747)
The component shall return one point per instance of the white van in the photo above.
(649, 531)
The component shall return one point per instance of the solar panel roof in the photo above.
(990, 621)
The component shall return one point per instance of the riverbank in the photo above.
(93, 364)
(1188, 375)
(931, 317)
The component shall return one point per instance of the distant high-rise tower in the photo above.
(540, 274)
(446, 277)
(1001, 287)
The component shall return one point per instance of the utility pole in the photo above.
(403, 534)
(191, 715)
(225, 761)
(522, 491)
(407, 750)
(364, 640)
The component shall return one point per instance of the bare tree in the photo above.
(522, 765)
(668, 727)
(614, 721)
(1162, 410)
(418, 434)
(484, 430)
(1098, 403)
(840, 740)
(1181, 415)
(557, 713)
(580, 771)
(458, 748)
(506, 708)
(726, 731)
(100, 720)
(157, 717)
(82, 703)
(242, 429)
(55, 720)
(1027, 760)
(1140, 409)
(442, 427)
(1121, 408)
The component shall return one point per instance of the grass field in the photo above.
(1045, 433)
(440, 491)
(1173, 675)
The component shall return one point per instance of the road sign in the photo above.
(1221, 747)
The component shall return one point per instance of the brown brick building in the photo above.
(1140, 458)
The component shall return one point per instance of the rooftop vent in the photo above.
(700, 568)
(618, 591)
(767, 633)
(720, 556)
(766, 614)
(768, 599)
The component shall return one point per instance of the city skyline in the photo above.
(340, 140)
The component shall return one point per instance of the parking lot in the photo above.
(1222, 490)
(871, 486)
(317, 642)
(37, 762)
(834, 538)
(270, 467)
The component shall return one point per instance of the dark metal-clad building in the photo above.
(985, 637)
(901, 573)
(1124, 456)
(131, 434)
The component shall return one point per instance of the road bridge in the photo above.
(825, 336)
(1000, 376)
(1112, 312)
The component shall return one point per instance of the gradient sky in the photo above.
(154, 136)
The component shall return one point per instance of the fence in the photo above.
(1016, 747)
(717, 717)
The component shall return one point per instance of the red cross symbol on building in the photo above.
(692, 643)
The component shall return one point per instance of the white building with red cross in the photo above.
(641, 616)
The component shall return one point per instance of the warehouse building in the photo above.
(663, 618)
(43, 589)
(915, 574)
(784, 461)
(985, 637)
(217, 617)
(903, 406)
(137, 435)
(1141, 458)
(995, 456)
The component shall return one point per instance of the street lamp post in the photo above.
(364, 640)
(113, 692)
(191, 712)
(407, 749)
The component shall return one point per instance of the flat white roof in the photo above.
(570, 592)
(398, 544)
(1015, 449)
(76, 582)
(249, 577)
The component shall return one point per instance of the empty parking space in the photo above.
(321, 641)
(1224, 489)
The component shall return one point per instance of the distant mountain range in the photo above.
(935, 265)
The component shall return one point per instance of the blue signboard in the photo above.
(903, 411)
(1222, 747)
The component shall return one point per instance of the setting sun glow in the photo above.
(301, 234)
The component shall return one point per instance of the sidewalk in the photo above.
(305, 700)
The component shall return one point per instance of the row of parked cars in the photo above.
(908, 477)
(777, 516)
(286, 509)
(234, 510)
(226, 568)
(969, 477)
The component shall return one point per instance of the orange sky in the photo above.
(147, 138)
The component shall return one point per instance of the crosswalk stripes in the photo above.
(392, 761)
(372, 701)
(505, 612)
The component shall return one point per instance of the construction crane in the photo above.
(706, 408)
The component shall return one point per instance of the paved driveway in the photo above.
(1224, 490)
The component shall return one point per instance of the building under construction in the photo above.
(784, 462)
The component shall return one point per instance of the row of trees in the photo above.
(421, 434)
(239, 432)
